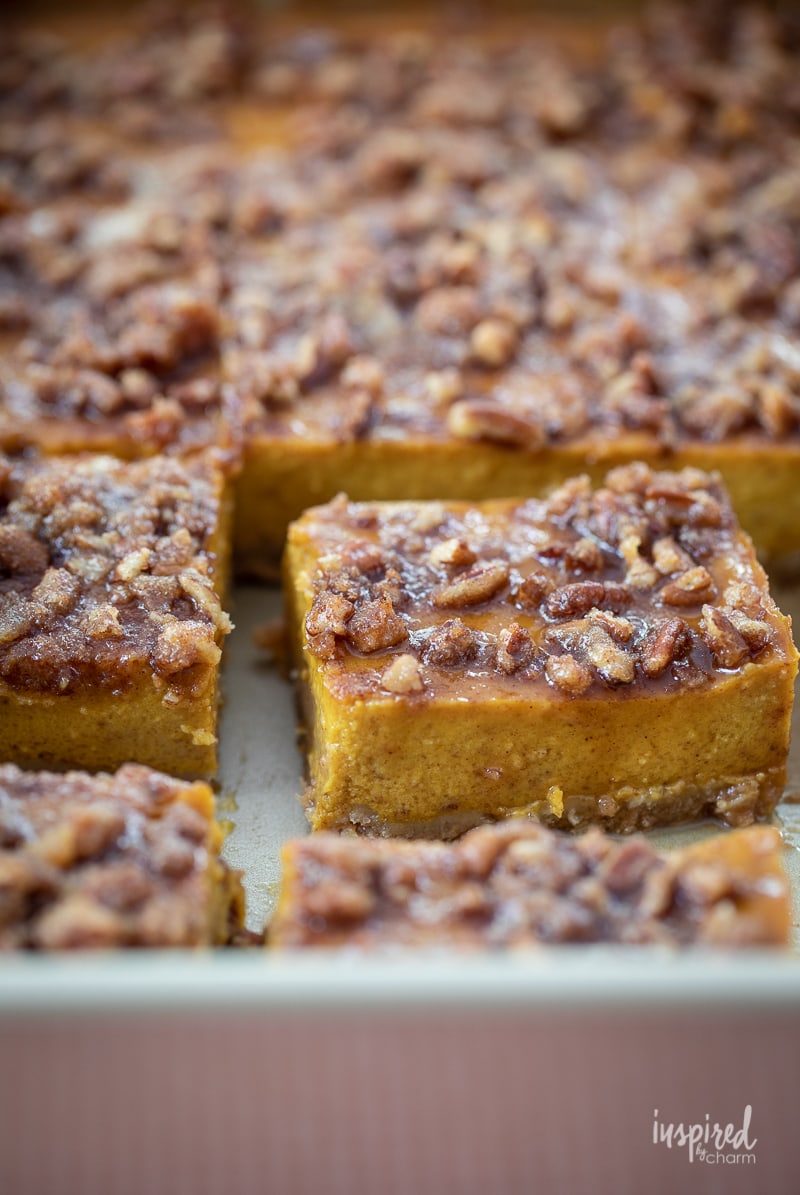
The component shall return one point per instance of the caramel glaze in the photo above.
(643, 585)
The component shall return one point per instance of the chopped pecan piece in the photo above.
(664, 645)
(493, 342)
(364, 373)
(182, 644)
(669, 557)
(571, 601)
(58, 590)
(620, 629)
(755, 634)
(454, 552)
(585, 556)
(532, 589)
(329, 614)
(568, 674)
(611, 662)
(102, 623)
(448, 311)
(403, 675)
(514, 648)
(689, 589)
(640, 574)
(484, 419)
(471, 588)
(452, 642)
(444, 386)
(728, 646)
(375, 626)
(20, 551)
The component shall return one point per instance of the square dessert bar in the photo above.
(518, 884)
(606, 655)
(111, 581)
(98, 861)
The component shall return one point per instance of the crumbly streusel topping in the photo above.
(106, 570)
(645, 580)
(99, 861)
(518, 884)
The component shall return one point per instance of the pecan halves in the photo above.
(664, 645)
(689, 589)
(611, 662)
(483, 419)
(375, 626)
(471, 588)
(726, 643)
(571, 601)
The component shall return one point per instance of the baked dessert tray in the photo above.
(259, 802)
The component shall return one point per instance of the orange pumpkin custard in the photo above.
(99, 861)
(520, 885)
(607, 655)
(111, 624)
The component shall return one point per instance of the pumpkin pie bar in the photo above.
(521, 885)
(111, 581)
(605, 655)
(130, 859)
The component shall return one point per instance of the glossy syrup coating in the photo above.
(643, 583)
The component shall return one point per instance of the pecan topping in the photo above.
(483, 419)
(329, 615)
(471, 588)
(689, 589)
(611, 662)
(99, 617)
(532, 589)
(571, 601)
(663, 645)
(450, 643)
(514, 648)
(21, 552)
(639, 574)
(493, 342)
(728, 646)
(755, 634)
(568, 674)
(585, 556)
(454, 552)
(374, 626)
(102, 860)
(669, 558)
(403, 675)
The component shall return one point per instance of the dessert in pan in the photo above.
(534, 312)
(606, 655)
(130, 859)
(112, 575)
(521, 885)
